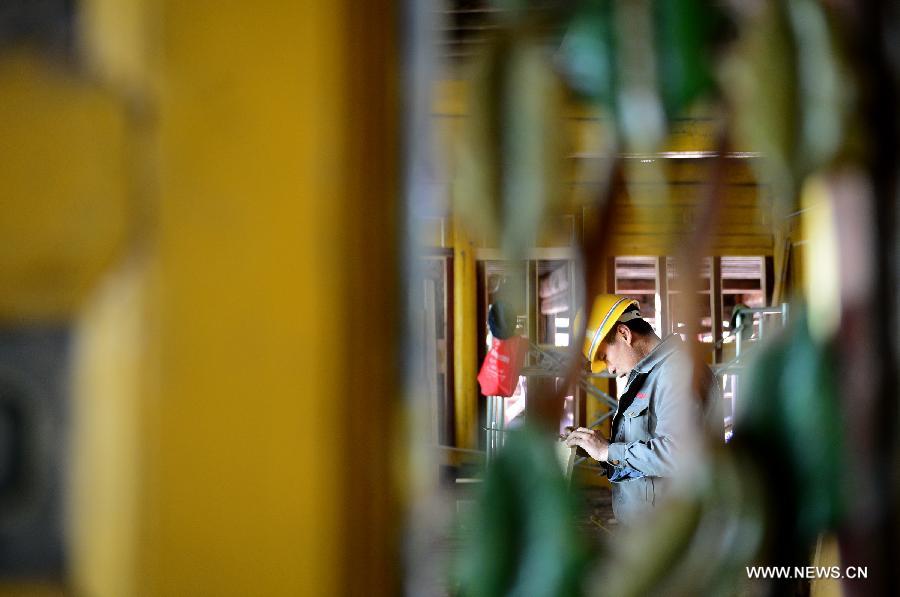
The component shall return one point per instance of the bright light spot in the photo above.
(562, 339)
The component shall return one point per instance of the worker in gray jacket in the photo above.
(658, 424)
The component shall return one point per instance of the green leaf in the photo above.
(587, 54)
(684, 49)
(523, 539)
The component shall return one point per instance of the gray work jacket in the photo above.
(657, 411)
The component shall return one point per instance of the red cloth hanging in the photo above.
(499, 373)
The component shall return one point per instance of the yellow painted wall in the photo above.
(662, 197)
(274, 379)
(211, 199)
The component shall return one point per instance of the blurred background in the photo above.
(250, 250)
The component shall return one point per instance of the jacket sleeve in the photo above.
(673, 415)
(650, 458)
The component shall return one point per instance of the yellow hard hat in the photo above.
(605, 313)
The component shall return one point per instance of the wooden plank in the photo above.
(690, 194)
(685, 214)
(652, 244)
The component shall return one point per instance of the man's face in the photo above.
(619, 354)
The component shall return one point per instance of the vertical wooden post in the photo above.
(662, 296)
(465, 342)
(715, 298)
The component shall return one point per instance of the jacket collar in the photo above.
(660, 352)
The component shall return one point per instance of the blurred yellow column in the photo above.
(261, 324)
(465, 342)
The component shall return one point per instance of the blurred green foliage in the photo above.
(522, 538)
(791, 424)
(791, 92)
(588, 52)
(511, 154)
(698, 544)
(682, 47)
(784, 89)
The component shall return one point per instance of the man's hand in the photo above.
(591, 441)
